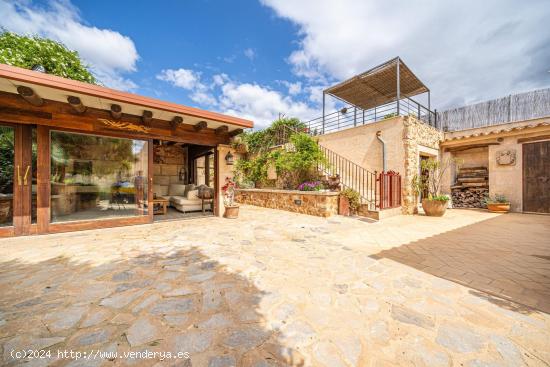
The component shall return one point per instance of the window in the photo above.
(96, 177)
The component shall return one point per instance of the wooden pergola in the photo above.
(385, 83)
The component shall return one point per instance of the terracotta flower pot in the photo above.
(434, 208)
(498, 207)
(343, 206)
(231, 212)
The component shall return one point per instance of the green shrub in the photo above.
(28, 51)
(353, 198)
(497, 199)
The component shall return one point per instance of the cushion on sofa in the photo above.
(180, 200)
(177, 190)
(160, 190)
(189, 188)
(193, 195)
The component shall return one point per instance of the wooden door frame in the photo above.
(22, 194)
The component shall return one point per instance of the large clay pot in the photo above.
(498, 207)
(231, 212)
(343, 206)
(434, 208)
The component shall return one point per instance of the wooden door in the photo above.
(536, 177)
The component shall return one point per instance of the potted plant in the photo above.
(231, 208)
(497, 204)
(349, 202)
(435, 205)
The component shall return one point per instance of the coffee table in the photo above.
(160, 206)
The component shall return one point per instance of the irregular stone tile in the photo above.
(193, 341)
(409, 316)
(141, 332)
(183, 291)
(95, 317)
(146, 303)
(286, 355)
(298, 333)
(29, 303)
(245, 338)
(120, 300)
(94, 292)
(508, 350)
(134, 285)
(201, 277)
(122, 318)
(170, 275)
(350, 346)
(459, 339)
(98, 336)
(216, 321)
(123, 276)
(172, 306)
(326, 354)
(211, 301)
(378, 331)
(176, 320)
(222, 361)
(64, 319)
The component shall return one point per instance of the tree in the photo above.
(28, 51)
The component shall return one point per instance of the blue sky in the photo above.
(256, 59)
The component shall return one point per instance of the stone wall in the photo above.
(168, 160)
(321, 204)
(417, 137)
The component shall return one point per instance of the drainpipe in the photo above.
(379, 137)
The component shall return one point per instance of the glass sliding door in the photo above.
(7, 173)
(97, 177)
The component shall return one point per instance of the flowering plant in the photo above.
(229, 192)
(310, 186)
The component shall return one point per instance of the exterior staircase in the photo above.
(351, 175)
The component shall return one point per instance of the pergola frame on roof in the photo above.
(385, 83)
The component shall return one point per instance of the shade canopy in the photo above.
(378, 85)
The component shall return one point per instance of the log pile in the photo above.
(472, 187)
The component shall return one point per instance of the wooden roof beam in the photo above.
(200, 126)
(176, 121)
(29, 96)
(116, 111)
(76, 104)
(146, 117)
(222, 130)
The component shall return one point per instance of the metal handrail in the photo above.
(352, 176)
(353, 116)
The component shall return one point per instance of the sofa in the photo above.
(181, 197)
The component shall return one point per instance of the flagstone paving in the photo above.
(274, 288)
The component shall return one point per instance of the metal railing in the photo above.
(390, 190)
(351, 176)
(352, 116)
(516, 107)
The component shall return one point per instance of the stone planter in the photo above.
(343, 206)
(231, 212)
(498, 207)
(434, 208)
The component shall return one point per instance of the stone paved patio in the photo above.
(276, 289)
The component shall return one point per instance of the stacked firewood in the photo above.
(472, 187)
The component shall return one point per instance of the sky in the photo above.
(265, 58)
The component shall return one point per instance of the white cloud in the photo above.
(191, 80)
(250, 54)
(293, 88)
(108, 53)
(183, 78)
(260, 104)
(464, 51)
(247, 100)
